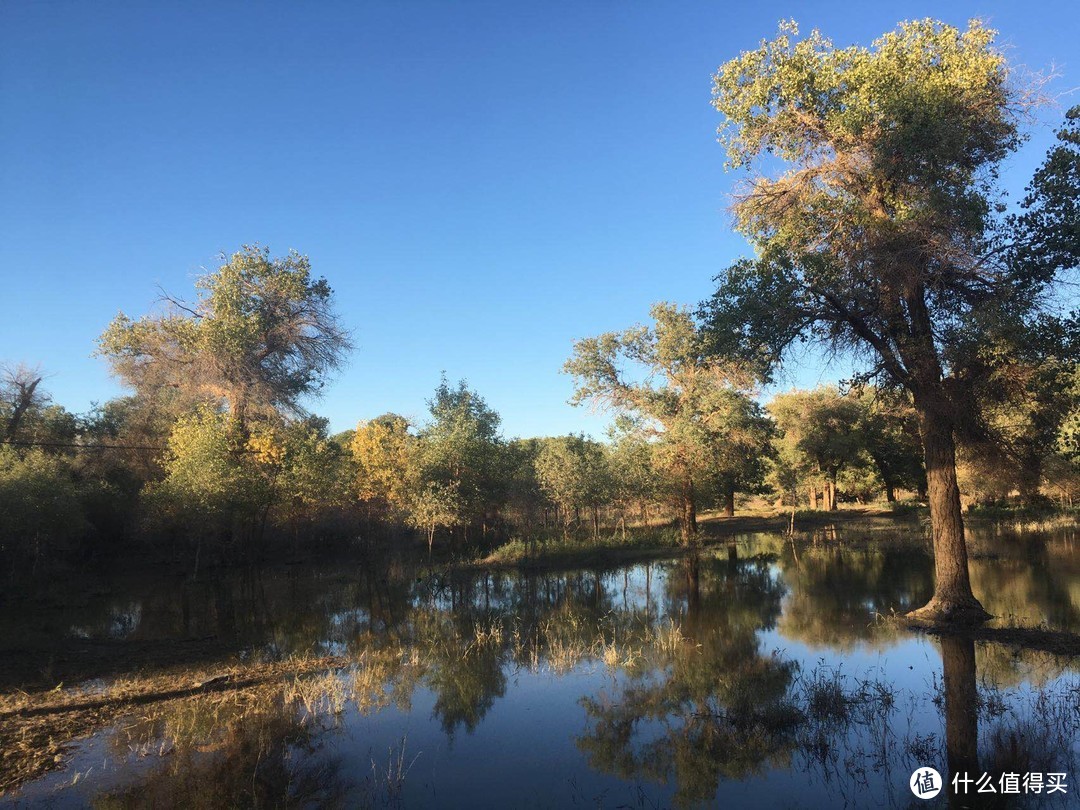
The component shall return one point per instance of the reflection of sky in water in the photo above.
(519, 742)
(122, 623)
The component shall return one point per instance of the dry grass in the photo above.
(36, 729)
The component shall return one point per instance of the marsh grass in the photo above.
(180, 709)
(386, 785)
(558, 550)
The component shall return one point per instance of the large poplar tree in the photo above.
(873, 204)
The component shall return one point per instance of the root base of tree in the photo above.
(941, 610)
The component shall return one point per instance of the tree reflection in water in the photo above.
(717, 705)
(680, 682)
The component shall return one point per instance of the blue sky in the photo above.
(481, 182)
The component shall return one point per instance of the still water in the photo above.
(764, 673)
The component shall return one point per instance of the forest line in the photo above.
(213, 454)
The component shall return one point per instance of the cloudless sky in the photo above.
(481, 182)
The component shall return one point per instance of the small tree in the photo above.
(820, 427)
(218, 482)
(575, 474)
(40, 509)
(635, 476)
(888, 429)
(460, 452)
(433, 507)
(386, 458)
(20, 393)
(312, 487)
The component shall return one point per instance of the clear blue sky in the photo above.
(481, 182)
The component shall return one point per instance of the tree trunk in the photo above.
(729, 501)
(890, 493)
(953, 600)
(692, 626)
(812, 494)
(688, 517)
(1030, 479)
(830, 487)
(595, 521)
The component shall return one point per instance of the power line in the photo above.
(72, 445)
(75, 446)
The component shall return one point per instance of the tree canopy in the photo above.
(694, 408)
(261, 335)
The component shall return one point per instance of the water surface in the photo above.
(757, 674)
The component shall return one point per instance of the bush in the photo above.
(40, 507)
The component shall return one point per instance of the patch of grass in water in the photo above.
(518, 550)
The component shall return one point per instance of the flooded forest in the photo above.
(863, 592)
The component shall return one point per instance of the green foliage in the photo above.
(40, 507)
(526, 505)
(882, 235)
(888, 428)
(260, 336)
(315, 473)
(818, 432)
(227, 482)
(432, 507)
(860, 442)
(635, 479)
(1068, 440)
(700, 423)
(460, 461)
(575, 474)
(212, 484)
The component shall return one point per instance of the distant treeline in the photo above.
(212, 455)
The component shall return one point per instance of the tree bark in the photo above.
(953, 600)
(729, 501)
(828, 496)
(812, 493)
(688, 517)
(890, 493)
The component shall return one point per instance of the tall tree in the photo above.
(881, 233)
(692, 407)
(260, 336)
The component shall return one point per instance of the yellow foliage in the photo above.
(384, 452)
(265, 449)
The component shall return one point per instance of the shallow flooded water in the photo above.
(761, 673)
